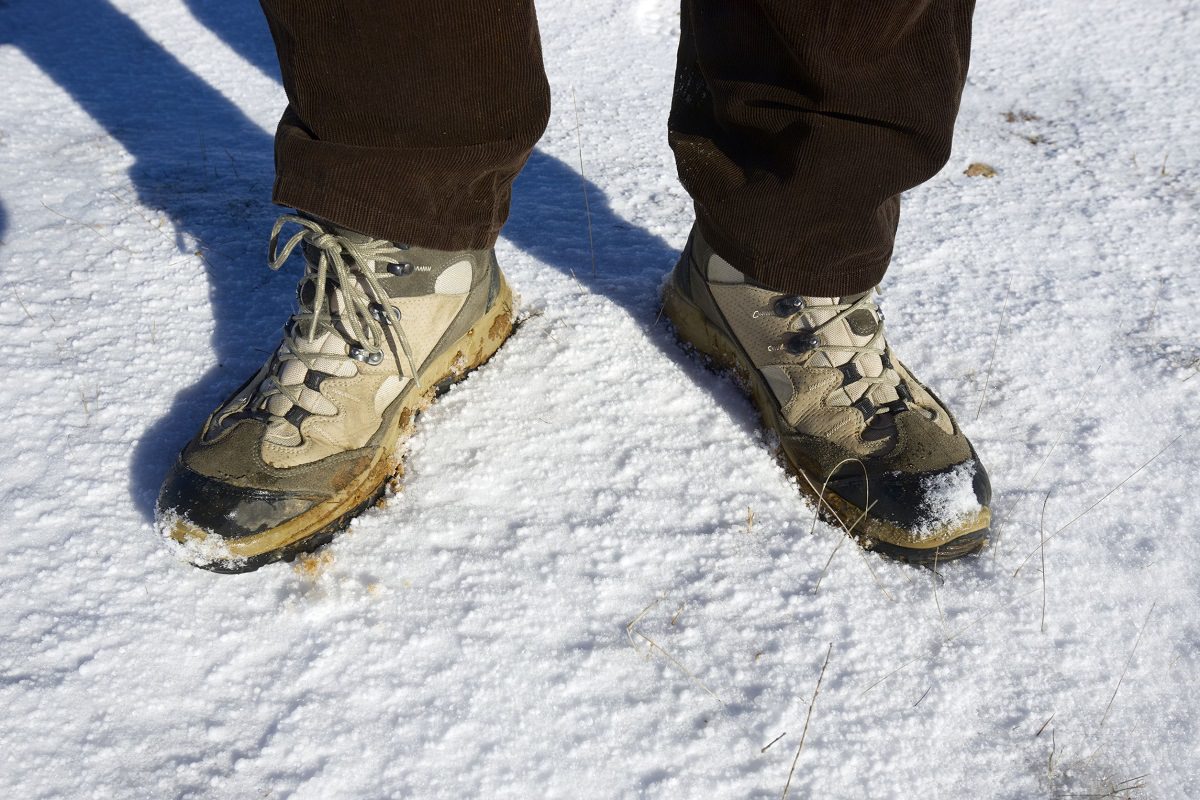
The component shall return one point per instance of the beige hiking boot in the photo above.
(874, 448)
(315, 436)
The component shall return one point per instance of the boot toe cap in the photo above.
(215, 520)
(920, 511)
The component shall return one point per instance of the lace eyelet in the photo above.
(383, 313)
(788, 305)
(401, 270)
(371, 358)
(801, 343)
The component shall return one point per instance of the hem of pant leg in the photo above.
(802, 274)
(803, 277)
(350, 213)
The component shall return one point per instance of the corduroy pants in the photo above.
(795, 124)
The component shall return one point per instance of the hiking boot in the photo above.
(316, 435)
(877, 452)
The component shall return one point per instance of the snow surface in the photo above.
(471, 639)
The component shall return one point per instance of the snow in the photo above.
(471, 639)
(948, 498)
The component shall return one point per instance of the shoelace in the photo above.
(806, 343)
(365, 312)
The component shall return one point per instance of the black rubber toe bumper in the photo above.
(898, 509)
(899, 497)
(227, 528)
(224, 510)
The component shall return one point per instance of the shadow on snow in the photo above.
(201, 161)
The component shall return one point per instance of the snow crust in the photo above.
(474, 637)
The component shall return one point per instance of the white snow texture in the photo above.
(948, 498)
(470, 639)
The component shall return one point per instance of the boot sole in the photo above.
(694, 330)
(320, 524)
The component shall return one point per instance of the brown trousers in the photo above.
(795, 124)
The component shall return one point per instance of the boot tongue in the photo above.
(856, 329)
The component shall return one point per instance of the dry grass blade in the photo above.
(587, 206)
(24, 308)
(874, 577)
(1128, 661)
(1106, 495)
(49, 331)
(631, 629)
(937, 577)
(828, 561)
(995, 346)
(202, 247)
(691, 675)
(1042, 549)
(822, 502)
(807, 720)
(773, 741)
(83, 224)
(1137, 779)
(629, 626)
(893, 672)
(849, 529)
(1118, 791)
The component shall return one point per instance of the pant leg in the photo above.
(796, 124)
(407, 120)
